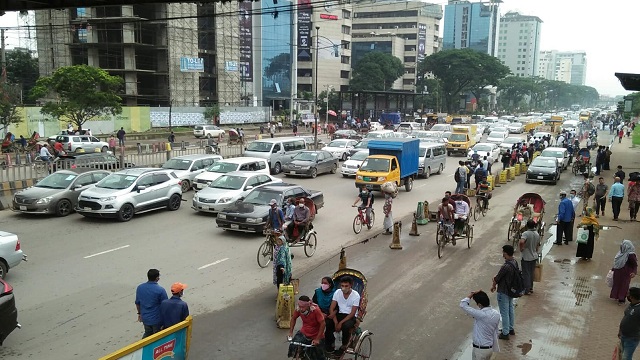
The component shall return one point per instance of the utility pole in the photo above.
(294, 65)
(3, 57)
(315, 104)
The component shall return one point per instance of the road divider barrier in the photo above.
(512, 174)
(490, 181)
(503, 177)
(414, 226)
(516, 169)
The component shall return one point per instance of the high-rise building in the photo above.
(519, 43)
(569, 67)
(471, 25)
(408, 30)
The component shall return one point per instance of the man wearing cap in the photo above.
(566, 214)
(174, 310)
(149, 296)
(276, 216)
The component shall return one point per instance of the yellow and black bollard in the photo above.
(395, 242)
(343, 260)
(414, 226)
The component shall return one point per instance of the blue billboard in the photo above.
(190, 64)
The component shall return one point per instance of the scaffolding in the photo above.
(227, 26)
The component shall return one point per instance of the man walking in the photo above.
(149, 296)
(629, 330)
(174, 310)
(120, 135)
(621, 174)
(566, 214)
(529, 247)
(601, 196)
(485, 325)
(616, 194)
(502, 282)
(460, 177)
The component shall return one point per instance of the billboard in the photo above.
(304, 30)
(422, 41)
(191, 64)
(246, 41)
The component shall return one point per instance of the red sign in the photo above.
(328, 17)
(164, 350)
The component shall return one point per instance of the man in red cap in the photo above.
(174, 310)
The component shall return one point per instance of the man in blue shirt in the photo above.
(149, 296)
(566, 214)
(174, 310)
(616, 194)
(275, 220)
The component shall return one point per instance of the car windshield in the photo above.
(375, 164)
(439, 127)
(56, 181)
(229, 182)
(177, 164)
(422, 151)
(117, 181)
(458, 137)
(259, 146)
(306, 156)
(539, 162)
(222, 167)
(361, 145)
(516, 125)
(338, 144)
(482, 148)
(360, 155)
(552, 153)
(262, 197)
(496, 134)
(511, 140)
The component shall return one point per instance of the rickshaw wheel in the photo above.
(476, 212)
(363, 348)
(310, 245)
(511, 227)
(469, 236)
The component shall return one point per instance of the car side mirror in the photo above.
(318, 161)
(348, 157)
(248, 187)
(140, 187)
(78, 187)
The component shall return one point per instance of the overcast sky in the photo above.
(605, 30)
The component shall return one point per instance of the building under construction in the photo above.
(178, 54)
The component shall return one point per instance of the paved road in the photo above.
(76, 293)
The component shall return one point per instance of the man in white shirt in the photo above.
(45, 155)
(343, 310)
(462, 211)
(485, 325)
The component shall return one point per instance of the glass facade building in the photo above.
(471, 25)
(275, 51)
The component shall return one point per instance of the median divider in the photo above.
(516, 169)
(512, 174)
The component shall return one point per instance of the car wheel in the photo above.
(125, 213)
(3, 269)
(314, 173)
(186, 185)
(344, 157)
(209, 136)
(78, 150)
(334, 169)
(174, 202)
(427, 172)
(440, 169)
(277, 168)
(105, 148)
(63, 208)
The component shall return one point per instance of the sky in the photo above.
(604, 30)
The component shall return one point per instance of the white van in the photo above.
(222, 167)
(381, 134)
(433, 159)
(276, 151)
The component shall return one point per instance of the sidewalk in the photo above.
(570, 315)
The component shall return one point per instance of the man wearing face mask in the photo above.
(566, 214)
(312, 331)
(344, 307)
(301, 216)
(276, 216)
(367, 202)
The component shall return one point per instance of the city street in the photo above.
(76, 294)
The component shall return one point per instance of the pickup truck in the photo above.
(391, 159)
(462, 139)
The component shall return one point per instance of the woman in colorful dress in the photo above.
(625, 267)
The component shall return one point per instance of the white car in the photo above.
(561, 154)
(441, 127)
(508, 142)
(428, 136)
(222, 167)
(408, 127)
(351, 166)
(10, 252)
(485, 149)
(208, 131)
(339, 148)
(515, 128)
(375, 126)
(228, 188)
(539, 135)
(187, 167)
(496, 137)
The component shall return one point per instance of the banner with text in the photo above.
(422, 41)
(246, 41)
(304, 30)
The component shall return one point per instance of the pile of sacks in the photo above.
(390, 188)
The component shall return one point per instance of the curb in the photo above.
(9, 188)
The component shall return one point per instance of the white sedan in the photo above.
(351, 166)
(485, 149)
(340, 148)
(496, 137)
(376, 126)
(10, 251)
(515, 128)
(228, 188)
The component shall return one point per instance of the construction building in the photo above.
(472, 25)
(519, 43)
(178, 54)
(566, 66)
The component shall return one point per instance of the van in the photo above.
(276, 151)
(221, 167)
(381, 134)
(433, 159)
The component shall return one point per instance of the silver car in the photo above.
(187, 167)
(11, 254)
(131, 191)
(57, 193)
(82, 143)
(228, 188)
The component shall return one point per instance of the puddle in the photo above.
(582, 289)
(526, 347)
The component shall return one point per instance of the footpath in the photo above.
(570, 315)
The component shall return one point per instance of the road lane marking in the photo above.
(213, 263)
(107, 251)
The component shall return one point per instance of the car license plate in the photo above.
(292, 172)
(23, 208)
(540, 177)
(366, 178)
(205, 208)
(87, 209)
(234, 226)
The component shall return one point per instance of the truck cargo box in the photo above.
(406, 150)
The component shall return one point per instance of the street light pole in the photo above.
(315, 74)
(326, 118)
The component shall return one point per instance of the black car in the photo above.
(8, 311)
(362, 145)
(346, 134)
(249, 214)
(543, 169)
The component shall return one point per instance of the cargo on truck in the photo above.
(390, 119)
(462, 138)
(391, 159)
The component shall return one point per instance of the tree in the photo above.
(83, 92)
(376, 71)
(334, 101)
(211, 113)
(22, 70)
(9, 98)
(512, 90)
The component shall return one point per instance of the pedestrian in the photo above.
(620, 173)
(149, 296)
(625, 267)
(506, 158)
(241, 135)
(575, 201)
(272, 130)
(607, 159)
(589, 223)
(470, 171)
(566, 214)
(171, 138)
(295, 130)
(599, 159)
(174, 309)
(634, 199)
(323, 296)
(629, 329)
(387, 224)
(261, 129)
(460, 177)
(626, 130)
(281, 262)
(620, 135)
(529, 247)
(112, 144)
(502, 282)
(120, 135)
(616, 194)
(587, 190)
(600, 197)
(485, 325)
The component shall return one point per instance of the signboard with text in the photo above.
(304, 30)
(422, 41)
(245, 65)
(191, 64)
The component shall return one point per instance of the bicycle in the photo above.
(265, 251)
(361, 220)
(481, 206)
(301, 351)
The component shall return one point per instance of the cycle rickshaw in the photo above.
(529, 206)
(360, 343)
(307, 240)
(582, 164)
(234, 138)
(444, 232)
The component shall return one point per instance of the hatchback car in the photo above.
(132, 191)
(543, 169)
(351, 166)
(207, 131)
(485, 149)
(229, 188)
(82, 143)
(8, 311)
(515, 128)
(311, 163)
(11, 254)
(57, 193)
(346, 134)
(187, 167)
(340, 148)
(561, 154)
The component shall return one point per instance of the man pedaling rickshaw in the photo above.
(483, 192)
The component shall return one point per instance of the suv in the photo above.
(207, 131)
(82, 143)
(131, 191)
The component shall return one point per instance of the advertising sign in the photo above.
(191, 64)
(422, 41)
(304, 30)
(231, 66)
(246, 41)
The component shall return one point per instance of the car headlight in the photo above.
(253, 220)
(382, 178)
(305, 167)
(224, 200)
(359, 177)
(109, 198)
(196, 198)
(44, 200)
(222, 216)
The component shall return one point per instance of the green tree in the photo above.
(83, 93)
(376, 71)
(9, 98)
(512, 91)
(334, 101)
(22, 70)
(211, 113)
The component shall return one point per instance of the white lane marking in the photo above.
(213, 263)
(107, 251)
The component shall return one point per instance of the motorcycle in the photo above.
(212, 149)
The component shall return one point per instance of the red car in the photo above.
(8, 311)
